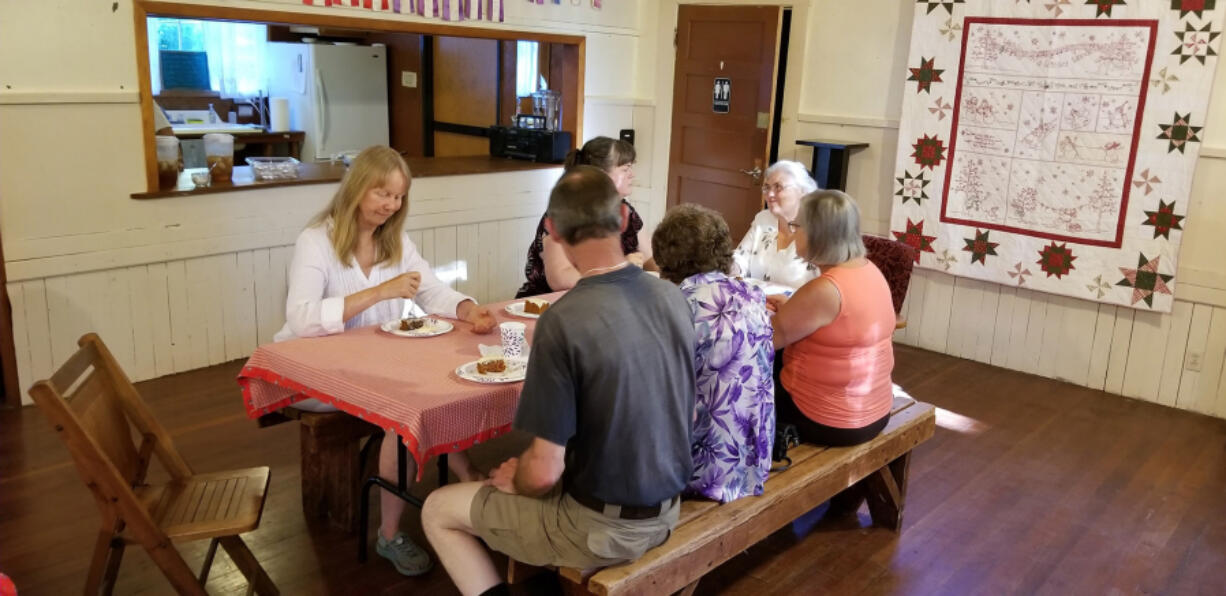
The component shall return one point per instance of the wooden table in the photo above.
(403, 385)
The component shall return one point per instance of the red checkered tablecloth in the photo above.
(406, 385)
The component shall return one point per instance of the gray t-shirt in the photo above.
(611, 377)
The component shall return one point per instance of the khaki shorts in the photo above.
(556, 530)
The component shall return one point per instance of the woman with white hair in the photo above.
(835, 384)
(767, 252)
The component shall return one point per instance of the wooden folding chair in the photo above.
(95, 408)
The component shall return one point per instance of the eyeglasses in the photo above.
(774, 188)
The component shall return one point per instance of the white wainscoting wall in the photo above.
(164, 318)
(1139, 354)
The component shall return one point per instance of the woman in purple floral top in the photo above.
(734, 418)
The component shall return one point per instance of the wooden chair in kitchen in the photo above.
(98, 413)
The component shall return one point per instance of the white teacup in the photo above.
(513, 340)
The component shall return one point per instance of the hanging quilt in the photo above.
(1050, 144)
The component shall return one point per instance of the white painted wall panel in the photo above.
(1198, 337)
(36, 331)
(1134, 353)
(171, 317)
(21, 342)
(1176, 346)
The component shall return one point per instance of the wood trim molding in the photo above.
(1206, 151)
(92, 96)
(581, 69)
(861, 121)
(619, 100)
(1188, 292)
(141, 41)
(142, 9)
(1211, 152)
(341, 21)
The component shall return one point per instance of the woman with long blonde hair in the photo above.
(354, 266)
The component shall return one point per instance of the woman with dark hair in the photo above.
(548, 269)
(734, 406)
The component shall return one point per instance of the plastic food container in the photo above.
(219, 155)
(273, 168)
(168, 161)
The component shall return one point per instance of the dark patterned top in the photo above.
(534, 269)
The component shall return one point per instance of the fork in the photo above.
(411, 309)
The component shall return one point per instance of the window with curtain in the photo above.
(526, 71)
(235, 52)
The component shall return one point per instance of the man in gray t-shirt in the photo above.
(611, 378)
(609, 400)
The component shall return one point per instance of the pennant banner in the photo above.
(447, 10)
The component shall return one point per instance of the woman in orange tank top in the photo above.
(835, 384)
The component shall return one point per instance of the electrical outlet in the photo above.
(1193, 361)
(408, 79)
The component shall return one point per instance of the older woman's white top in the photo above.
(319, 282)
(758, 257)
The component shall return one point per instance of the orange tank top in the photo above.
(840, 374)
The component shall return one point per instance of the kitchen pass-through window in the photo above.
(232, 55)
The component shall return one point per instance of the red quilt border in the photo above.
(1152, 24)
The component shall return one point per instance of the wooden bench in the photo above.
(333, 464)
(708, 534)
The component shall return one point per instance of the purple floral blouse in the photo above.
(734, 421)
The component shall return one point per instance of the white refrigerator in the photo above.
(337, 95)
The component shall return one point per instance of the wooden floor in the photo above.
(1029, 486)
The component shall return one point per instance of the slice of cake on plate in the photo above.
(491, 364)
(412, 324)
(535, 306)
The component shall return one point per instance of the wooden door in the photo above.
(465, 94)
(717, 157)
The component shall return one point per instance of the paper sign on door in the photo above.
(721, 95)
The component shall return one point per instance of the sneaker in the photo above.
(408, 558)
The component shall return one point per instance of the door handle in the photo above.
(756, 173)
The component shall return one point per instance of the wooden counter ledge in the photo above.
(324, 173)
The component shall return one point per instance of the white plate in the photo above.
(517, 309)
(516, 368)
(432, 328)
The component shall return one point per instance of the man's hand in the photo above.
(503, 477)
(482, 319)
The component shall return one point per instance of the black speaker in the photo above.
(545, 146)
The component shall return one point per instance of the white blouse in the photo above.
(319, 282)
(758, 258)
